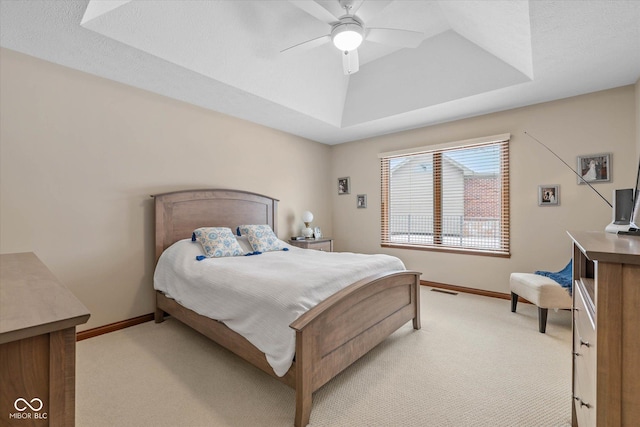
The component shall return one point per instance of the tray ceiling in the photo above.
(476, 57)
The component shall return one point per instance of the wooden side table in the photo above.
(322, 244)
(38, 319)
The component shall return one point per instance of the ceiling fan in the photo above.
(348, 31)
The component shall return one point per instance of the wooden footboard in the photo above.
(329, 337)
(344, 327)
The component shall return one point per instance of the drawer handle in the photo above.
(584, 343)
(575, 353)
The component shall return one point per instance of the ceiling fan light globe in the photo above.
(347, 37)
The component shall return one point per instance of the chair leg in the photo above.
(514, 302)
(542, 319)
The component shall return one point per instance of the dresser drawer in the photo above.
(585, 409)
(584, 366)
(584, 362)
(584, 375)
(584, 325)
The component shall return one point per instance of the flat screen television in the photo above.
(626, 210)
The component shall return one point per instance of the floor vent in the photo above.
(444, 292)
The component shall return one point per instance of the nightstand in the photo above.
(322, 244)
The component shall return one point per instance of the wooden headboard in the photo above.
(180, 212)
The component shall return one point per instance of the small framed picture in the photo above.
(362, 200)
(344, 185)
(548, 195)
(594, 168)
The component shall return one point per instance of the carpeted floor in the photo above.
(473, 363)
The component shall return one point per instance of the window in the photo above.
(451, 197)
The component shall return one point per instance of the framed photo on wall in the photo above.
(344, 185)
(594, 168)
(362, 200)
(548, 195)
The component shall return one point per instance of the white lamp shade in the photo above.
(307, 216)
(347, 37)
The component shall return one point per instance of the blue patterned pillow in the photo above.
(262, 238)
(217, 242)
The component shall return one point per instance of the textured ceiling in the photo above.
(475, 57)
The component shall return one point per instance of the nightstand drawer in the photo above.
(325, 245)
(320, 246)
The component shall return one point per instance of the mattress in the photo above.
(259, 296)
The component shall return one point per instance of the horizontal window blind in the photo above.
(454, 198)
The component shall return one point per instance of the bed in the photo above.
(329, 337)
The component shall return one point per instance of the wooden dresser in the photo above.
(38, 319)
(606, 329)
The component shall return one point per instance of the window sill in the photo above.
(447, 250)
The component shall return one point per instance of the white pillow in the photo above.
(262, 238)
(217, 242)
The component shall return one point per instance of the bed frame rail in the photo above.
(219, 333)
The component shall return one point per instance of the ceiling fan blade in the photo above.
(315, 10)
(395, 37)
(368, 9)
(307, 45)
(350, 63)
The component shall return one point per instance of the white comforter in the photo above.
(259, 296)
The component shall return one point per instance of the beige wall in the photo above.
(590, 124)
(81, 155)
(637, 87)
